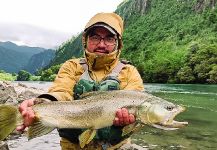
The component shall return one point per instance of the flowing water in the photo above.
(201, 113)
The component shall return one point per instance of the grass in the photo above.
(7, 77)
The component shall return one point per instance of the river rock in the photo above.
(14, 93)
(3, 146)
(7, 92)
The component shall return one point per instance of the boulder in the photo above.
(7, 92)
(3, 145)
(14, 93)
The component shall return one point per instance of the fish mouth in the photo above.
(169, 123)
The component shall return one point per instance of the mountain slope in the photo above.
(13, 58)
(69, 49)
(11, 61)
(29, 51)
(40, 60)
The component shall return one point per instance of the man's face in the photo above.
(101, 41)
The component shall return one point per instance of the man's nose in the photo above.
(102, 43)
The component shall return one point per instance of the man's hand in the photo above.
(123, 117)
(27, 112)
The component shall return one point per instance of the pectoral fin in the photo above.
(131, 128)
(128, 128)
(138, 127)
(86, 137)
(38, 129)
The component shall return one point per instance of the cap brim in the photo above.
(104, 26)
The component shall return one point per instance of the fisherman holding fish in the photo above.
(99, 70)
(95, 102)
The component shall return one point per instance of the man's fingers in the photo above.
(116, 121)
(119, 113)
(28, 120)
(23, 113)
(27, 113)
(131, 118)
(30, 102)
(125, 115)
(25, 104)
(31, 114)
(21, 128)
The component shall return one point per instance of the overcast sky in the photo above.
(47, 23)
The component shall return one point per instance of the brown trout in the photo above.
(93, 111)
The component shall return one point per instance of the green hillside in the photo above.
(69, 49)
(172, 41)
(169, 41)
(40, 60)
(11, 61)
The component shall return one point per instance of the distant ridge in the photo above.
(22, 49)
(14, 58)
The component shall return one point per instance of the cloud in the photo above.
(47, 23)
(25, 34)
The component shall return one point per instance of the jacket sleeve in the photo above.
(62, 87)
(131, 79)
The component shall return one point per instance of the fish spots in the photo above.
(89, 113)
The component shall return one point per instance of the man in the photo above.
(101, 69)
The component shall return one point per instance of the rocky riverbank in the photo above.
(14, 93)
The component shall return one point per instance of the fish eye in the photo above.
(169, 108)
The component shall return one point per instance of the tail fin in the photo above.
(8, 120)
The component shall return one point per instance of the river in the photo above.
(201, 111)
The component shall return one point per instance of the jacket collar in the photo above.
(101, 62)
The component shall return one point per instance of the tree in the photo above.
(213, 75)
(185, 75)
(2, 71)
(23, 76)
(49, 74)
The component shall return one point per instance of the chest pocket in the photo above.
(87, 84)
